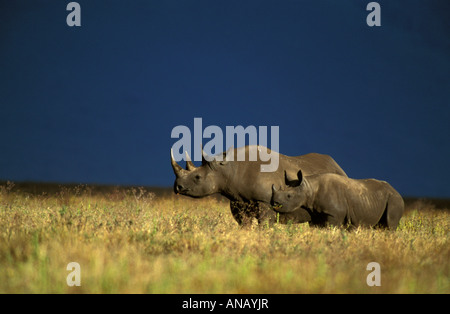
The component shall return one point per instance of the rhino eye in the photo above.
(197, 177)
(289, 196)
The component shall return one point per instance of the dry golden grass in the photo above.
(129, 241)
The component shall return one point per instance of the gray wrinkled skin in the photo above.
(248, 189)
(337, 200)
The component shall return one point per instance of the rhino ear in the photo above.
(291, 182)
(300, 176)
(227, 156)
(229, 153)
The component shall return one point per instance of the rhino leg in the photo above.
(266, 215)
(243, 212)
(394, 211)
(333, 214)
(300, 215)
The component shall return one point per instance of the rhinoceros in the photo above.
(243, 183)
(336, 200)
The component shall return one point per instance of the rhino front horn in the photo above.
(274, 189)
(177, 169)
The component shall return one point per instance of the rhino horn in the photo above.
(204, 157)
(177, 169)
(274, 189)
(189, 165)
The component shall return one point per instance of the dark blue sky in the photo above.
(97, 103)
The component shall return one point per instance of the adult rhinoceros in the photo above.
(242, 182)
(336, 200)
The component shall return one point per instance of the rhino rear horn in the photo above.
(204, 157)
(189, 165)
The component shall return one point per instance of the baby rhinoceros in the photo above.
(336, 200)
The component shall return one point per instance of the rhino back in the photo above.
(314, 163)
(362, 202)
(246, 181)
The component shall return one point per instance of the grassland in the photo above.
(131, 241)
